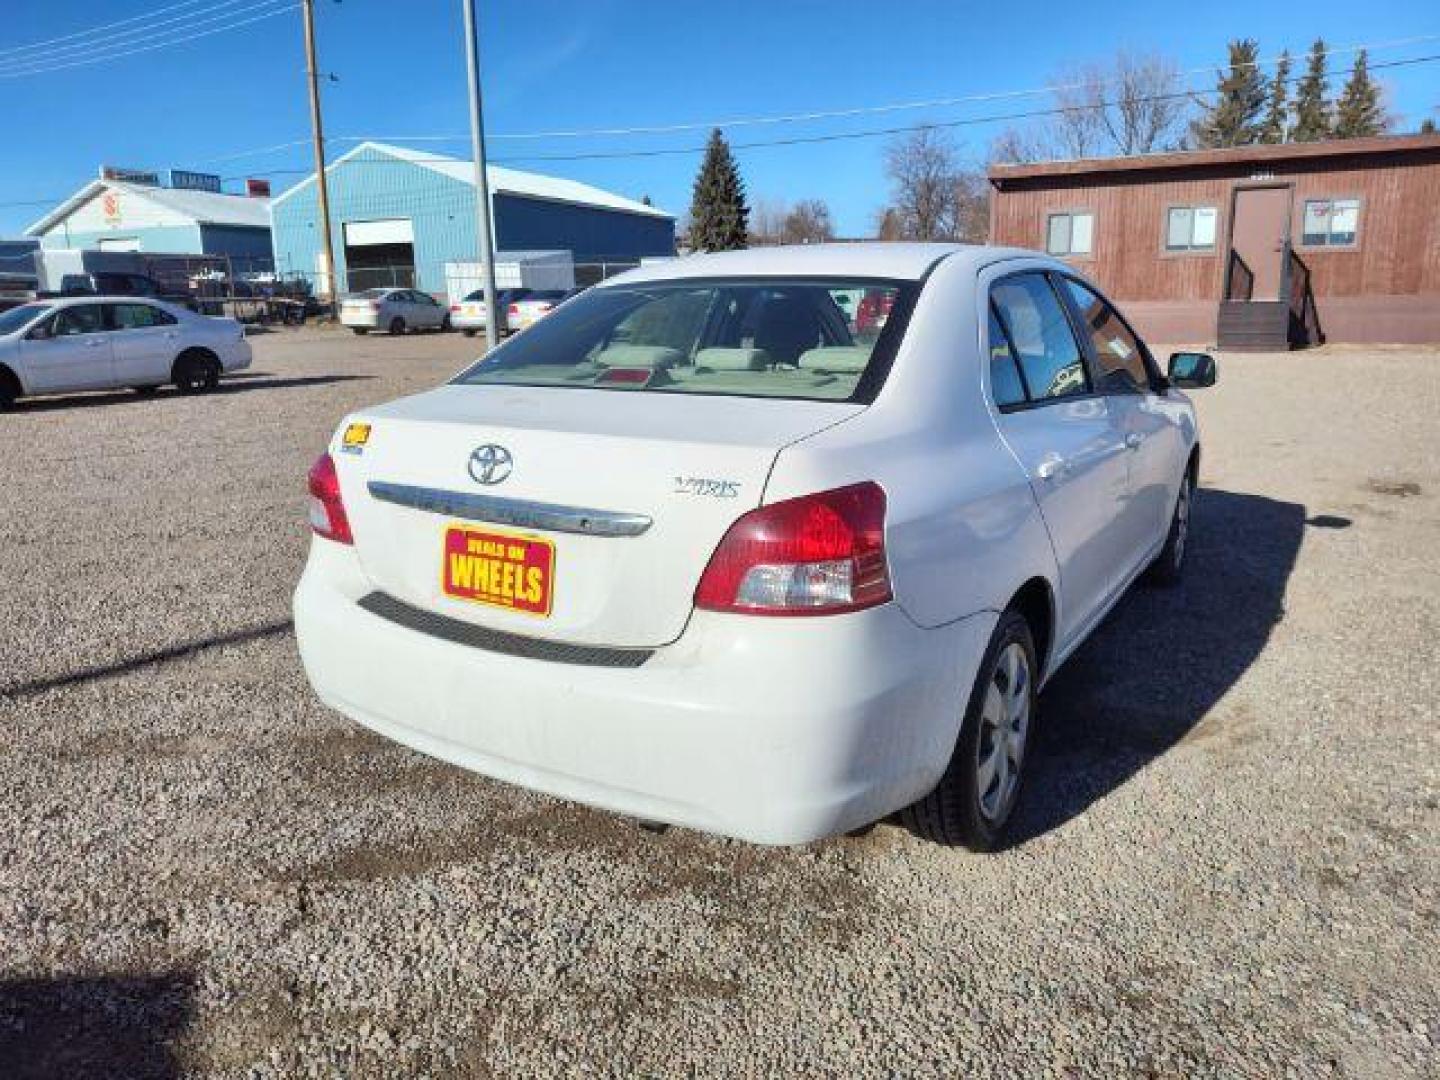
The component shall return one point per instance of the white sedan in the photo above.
(102, 342)
(701, 548)
(393, 310)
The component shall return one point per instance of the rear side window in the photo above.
(1039, 332)
(1006, 386)
(1118, 353)
(140, 316)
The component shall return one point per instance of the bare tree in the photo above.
(767, 221)
(933, 195)
(1132, 104)
(922, 166)
(809, 223)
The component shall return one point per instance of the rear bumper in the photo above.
(366, 319)
(775, 731)
(235, 356)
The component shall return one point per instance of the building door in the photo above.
(380, 254)
(1259, 230)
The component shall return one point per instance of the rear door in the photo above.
(1155, 445)
(145, 340)
(1064, 436)
(77, 355)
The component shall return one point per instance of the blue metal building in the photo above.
(398, 216)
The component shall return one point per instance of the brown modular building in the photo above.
(1255, 246)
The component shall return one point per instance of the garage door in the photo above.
(379, 254)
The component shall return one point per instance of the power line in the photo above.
(96, 29)
(803, 140)
(134, 35)
(187, 35)
(870, 110)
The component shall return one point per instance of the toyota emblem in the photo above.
(490, 464)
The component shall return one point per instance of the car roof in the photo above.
(880, 259)
(103, 298)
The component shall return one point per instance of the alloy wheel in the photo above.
(1004, 729)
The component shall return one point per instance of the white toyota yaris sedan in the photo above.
(703, 548)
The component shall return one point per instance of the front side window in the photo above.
(1071, 233)
(79, 319)
(1190, 228)
(762, 337)
(1118, 353)
(16, 317)
(1331, 222)
(140, 316)
(1040, 334)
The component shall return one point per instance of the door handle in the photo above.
(93, 343)
(1051, 467)
(1133, 441)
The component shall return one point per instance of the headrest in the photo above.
(638, 356)
(838, 359)
(719, 359)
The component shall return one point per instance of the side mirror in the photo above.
(1192, 370)
(41, 333)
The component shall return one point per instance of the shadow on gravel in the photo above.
(104, 1026)
(129, 397)
(134, 663)
(1150, 675)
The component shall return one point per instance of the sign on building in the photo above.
(129, 176)
(257, 189)
(194, 181)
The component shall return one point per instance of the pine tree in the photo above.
(1275, 128)
(1312, 111)
(1359, 113)
(719, 217)
(1234, 118)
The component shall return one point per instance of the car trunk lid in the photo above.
(624, 494)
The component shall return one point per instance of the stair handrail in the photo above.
(1247, 277)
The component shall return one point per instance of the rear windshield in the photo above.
(815, 339)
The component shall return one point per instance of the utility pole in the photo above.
(482, 180)
(322, 186)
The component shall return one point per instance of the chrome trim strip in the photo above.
(518, 512)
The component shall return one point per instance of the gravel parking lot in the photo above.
(1227, 861)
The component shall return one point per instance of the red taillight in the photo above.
(513, 310)
(327, 509)
(374, 305)
(454, 307)
(816, 555)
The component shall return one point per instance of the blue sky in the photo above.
(604, 63)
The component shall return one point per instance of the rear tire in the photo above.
(196, 370)
(468, 333)
(1169, 566)
(145, 391)
(977, 795)
(397, 326)
(9, 390)
(361, 330)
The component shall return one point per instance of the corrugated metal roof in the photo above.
(205, 207)
(503, 180)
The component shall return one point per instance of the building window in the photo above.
(1070, 234)
(1190, 228)
(1331, 222)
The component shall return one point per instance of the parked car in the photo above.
(468, 316)
(692, 550)
(95, 343)
(394, 310)
(527, 311)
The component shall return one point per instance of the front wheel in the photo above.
(974, 800)
(1169, 565)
